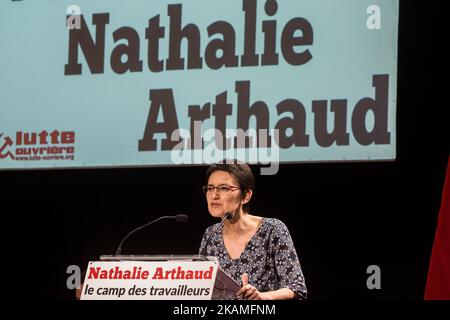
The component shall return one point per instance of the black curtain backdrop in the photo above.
(343, 217)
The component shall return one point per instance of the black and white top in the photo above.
(269, 258)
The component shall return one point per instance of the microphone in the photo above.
(181, 218)
(178, 218)
(228, 216)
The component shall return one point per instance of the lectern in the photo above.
(157, 277)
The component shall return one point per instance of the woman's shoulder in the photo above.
(275, 224)
(277, 231)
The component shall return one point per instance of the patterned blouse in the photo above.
(269, 258)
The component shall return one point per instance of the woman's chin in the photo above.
(216, 213)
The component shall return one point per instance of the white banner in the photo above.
(144, 280)
(147, 83)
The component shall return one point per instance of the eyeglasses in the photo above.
(222, 189)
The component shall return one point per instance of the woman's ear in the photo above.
(247, 196)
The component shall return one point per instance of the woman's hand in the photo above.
(248, 291)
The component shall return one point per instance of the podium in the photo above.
(157, 277)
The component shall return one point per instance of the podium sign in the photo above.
(149, 280)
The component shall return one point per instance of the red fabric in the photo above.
(438, 282)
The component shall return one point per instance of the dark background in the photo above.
(343, 217)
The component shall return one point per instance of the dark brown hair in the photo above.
(241, 172)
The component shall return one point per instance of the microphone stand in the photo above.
(180, 218)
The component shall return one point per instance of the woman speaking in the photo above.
(257, 252)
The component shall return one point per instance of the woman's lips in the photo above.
(215, 205)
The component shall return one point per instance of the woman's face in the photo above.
(221, 201)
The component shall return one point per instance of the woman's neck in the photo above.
(241, 222)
